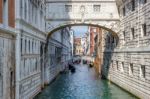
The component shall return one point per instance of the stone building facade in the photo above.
(30, 38)
(7, 49)
(129, 65)
(59, 53)
(78, 49)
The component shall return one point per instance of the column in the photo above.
(23, 45)
(27, 5)
(23, 9)
(18, 60)
(27, 46)
(5, 13)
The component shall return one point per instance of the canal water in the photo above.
(83, 84)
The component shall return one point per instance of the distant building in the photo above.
(84, 43)
(72, 41)
(93, 31)
(78, 46)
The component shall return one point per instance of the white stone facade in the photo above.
(30, 25)
(129, 65)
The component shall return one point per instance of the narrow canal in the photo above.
(83, 84)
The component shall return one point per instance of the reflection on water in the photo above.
(83, 84)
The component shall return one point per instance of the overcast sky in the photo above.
(80, 30)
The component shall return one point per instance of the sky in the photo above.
(80, 30)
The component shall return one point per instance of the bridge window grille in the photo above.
(96, 8)
(142, 71)
(68, 8)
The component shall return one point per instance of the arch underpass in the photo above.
(96, 13)
(113, 31)
(99, 58)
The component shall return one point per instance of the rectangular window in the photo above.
(124, 11)
(96, 8)
(133, 5)
(113, 40)
(142, 71)
(144, 33)
(111, 63)
(117, 65)
(142, 1)
(124, 36)
(21, 45)
(68, 8)
(58, 54)
(145, 1)
(131, 69)
(122, 66)
(132, 33)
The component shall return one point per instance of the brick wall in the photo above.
(11, 13)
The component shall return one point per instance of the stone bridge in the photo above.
(102, 13)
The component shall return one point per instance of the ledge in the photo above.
(8, 30)
(134, 50)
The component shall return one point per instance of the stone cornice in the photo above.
(81, 1)
(7, 30)
(133, 50)
(32, 35)
(30, 26)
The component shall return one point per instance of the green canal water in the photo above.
(83, 84)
